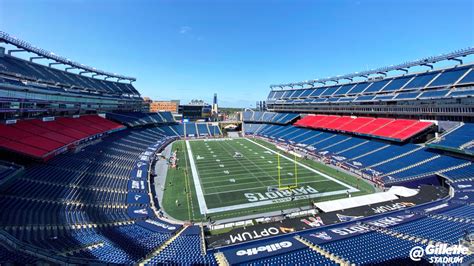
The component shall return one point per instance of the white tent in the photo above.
(343, 204)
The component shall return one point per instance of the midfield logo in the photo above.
(272, 195)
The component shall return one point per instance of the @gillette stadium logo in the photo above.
(267, 248)
(440, 253)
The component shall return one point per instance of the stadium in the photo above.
(354, 169)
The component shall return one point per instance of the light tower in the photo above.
(215, 110)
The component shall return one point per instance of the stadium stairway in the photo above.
(221, 259)
(149, 257)
(323, 252)
(448, 217)
(466, 145)
(202, 241)
(209, 129)
(400, 235)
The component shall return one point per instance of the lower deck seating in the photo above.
(8, 256)
(7, 169)
(195, 129)
(215, 130)
(54, 205)
(202, 129)
(372, 248)
(185, 250)
(466, 211)
(190, 129)
(378, 158)
(436, 229)
(459, 173)
(300, 257)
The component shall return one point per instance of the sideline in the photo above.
(197, 182)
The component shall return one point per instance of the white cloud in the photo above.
(185, 29)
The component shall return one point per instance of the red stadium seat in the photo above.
(399, 130)
(40, 139)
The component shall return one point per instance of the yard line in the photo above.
(241, 163)
(351, 189)
(265, 172)
(237, 171)
(197, 183)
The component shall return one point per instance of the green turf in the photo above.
(180, 187)
(249, 174)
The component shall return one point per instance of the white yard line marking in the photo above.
(351, 189)
(197, 182)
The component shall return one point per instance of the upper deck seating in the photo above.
(269, 117)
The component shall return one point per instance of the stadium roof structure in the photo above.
(44, 54)
(383, 70)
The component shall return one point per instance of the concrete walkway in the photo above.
(161, 170)
(260, 215)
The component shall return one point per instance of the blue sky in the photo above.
(191, 49)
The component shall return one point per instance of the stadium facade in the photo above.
(79, 181)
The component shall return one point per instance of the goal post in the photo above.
(295, 175)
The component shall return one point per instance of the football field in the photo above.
(236, 174)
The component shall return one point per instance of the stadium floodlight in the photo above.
(24, 46)
(54, 63)
(36, 57)
(16, 51)
(455, 55)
